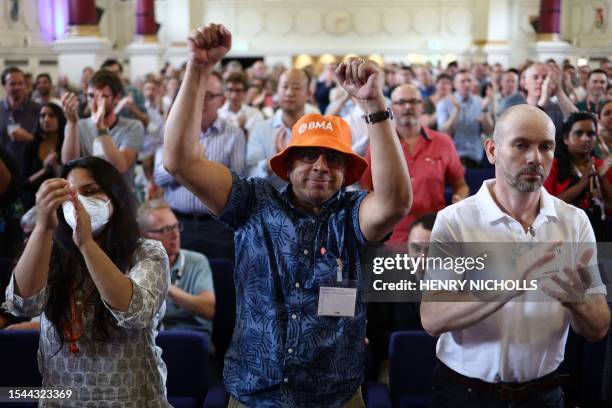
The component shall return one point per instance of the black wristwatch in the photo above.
(379, 116)
(103, 132)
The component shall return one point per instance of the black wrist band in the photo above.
(379, 116)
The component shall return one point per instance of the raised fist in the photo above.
(207, 45)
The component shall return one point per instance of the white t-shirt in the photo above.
(523, 340)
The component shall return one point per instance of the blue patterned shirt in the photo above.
(282, 353)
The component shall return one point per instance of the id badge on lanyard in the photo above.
(339, 300)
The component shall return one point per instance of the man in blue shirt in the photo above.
(300, 319)
(191, 297)
(463, 117)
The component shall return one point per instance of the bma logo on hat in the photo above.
(315, 125)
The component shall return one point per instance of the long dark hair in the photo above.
(61, 125)
(562, 154)
(118, 240)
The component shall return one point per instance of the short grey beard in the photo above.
(522, 186)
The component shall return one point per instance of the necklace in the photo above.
(73, 328)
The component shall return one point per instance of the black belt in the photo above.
(507, 391)
(192, 217)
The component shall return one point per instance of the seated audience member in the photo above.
(191, 297)
(153, 131)
(99, 287)
(385, 318)
(431, 157)
(18, 116)
(132, 103)
(44, 90)
(219, 141)
(509, 91)
(577, 177)
(542, 82)
(604, 130)
(43, 155)
(235, 110)
(114, 138)
(596, 91)
(461, 115)
(425, 81)
(444, 87)
(271, 137)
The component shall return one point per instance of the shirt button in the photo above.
(290, 351)
(305, 252)
(286, 380)
(297, 284)
(293, 316)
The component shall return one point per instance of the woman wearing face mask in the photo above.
(577, 177)
(43, 155)
(100, 289)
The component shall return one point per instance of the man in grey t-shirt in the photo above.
(104, 134)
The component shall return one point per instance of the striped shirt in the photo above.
(223, 143)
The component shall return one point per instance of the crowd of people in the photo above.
(113, 196)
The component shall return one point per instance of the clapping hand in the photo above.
(49, 197)
(82, 232)
(70, 105)
(575, 284)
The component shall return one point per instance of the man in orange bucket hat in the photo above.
(325, 134)
(300, 316)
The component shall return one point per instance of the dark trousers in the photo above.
(451, 394)
(207, 236)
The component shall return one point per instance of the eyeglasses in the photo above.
(237, 90)
(334, 159)
(167, 229)
(210, 96)
(403, 102)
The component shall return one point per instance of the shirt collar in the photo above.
(461, 99)
(226, 108)
(424, 134)
(215, 129)
(20, 107)
(492, 213)
(277, 119)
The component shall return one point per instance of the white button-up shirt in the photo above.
(523, 340)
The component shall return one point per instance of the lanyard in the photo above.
(179, 270)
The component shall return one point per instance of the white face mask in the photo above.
(99, 212)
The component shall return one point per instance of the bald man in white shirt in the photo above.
(505, 352)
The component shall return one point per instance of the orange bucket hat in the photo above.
(330, 132)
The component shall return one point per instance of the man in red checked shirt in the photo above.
(431, 157)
